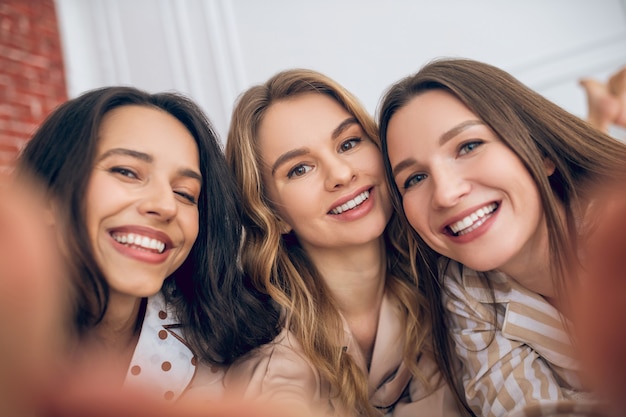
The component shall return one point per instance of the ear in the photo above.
(549, 166)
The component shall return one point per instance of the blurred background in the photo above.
(212, 50)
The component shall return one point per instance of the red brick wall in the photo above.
(32, 78)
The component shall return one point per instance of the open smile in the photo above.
(472, 221)
(137, 241)
(351, 204)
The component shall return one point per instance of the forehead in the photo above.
(431, 112)
(309, 116)
(436, 102)
(150, 130)
(130, 123)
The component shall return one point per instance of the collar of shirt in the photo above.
(388, 375)
(162, 361)
(529, 318)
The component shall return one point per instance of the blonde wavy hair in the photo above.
(280, 267)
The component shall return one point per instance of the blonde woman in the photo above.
(319, 239)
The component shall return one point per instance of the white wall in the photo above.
(213, 49)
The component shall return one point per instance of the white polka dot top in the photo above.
(161, 361)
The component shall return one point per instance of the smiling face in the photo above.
(323, 174)
(142, 215)
(463, 190)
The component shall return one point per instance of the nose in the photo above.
(340, 172)
(158, 200)
(449, 187)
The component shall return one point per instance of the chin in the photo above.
(480, 266)
(145, 291)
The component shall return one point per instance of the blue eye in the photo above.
(349, 144)
(468, 147)
(414, 179)
(298, 171)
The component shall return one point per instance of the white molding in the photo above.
(234, 47)
(110, 38)
(607, 53)
(226, 54)
(190, 49)
(211, 49)
(175, 57)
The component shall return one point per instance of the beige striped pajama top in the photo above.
(526, 359)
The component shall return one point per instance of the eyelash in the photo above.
(354, 141)
(129, 173)
(407, 182)
(463, 149)
(187, 197)
(124, 172)
(293, 171)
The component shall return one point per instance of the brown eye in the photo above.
(349, 144)
(298, 171)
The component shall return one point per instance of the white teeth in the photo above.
(349, 205)
(139, 241)
(472, 221)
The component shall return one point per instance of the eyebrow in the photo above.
(343, 126)
(184, 172)
(445, 137)
(294, 153)
(458, 129)
(127, 152)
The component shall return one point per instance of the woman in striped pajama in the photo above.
(495, 180)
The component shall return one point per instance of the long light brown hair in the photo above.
(278, 264)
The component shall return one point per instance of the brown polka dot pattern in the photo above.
(135, 370)
(162, 334)
(162, 315)
(166, 366)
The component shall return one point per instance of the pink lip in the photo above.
(476, 233)
(347, 198)
(357, 212)
(141, 254)
(144, 231)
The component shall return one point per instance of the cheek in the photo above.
(191, 227)
(414, 213)
(295, 200)
(92, 206)
(98, 196)
(530, 200)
